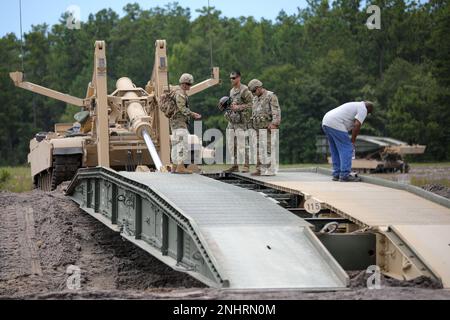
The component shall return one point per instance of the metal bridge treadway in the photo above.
(221, 234)
(423, 225)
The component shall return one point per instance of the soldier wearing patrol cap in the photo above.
(239, 118)
(266, 117)
(179, 125)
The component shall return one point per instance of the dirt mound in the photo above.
(443, 191)
(41, 234)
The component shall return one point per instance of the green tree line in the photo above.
(314, 60)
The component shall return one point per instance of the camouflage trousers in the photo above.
(266, 158)
(238, 149)
(179, 141)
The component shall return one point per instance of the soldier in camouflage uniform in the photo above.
(239, 118)
(179, 126)
(266, 117)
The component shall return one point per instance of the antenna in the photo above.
(210, 37)
(21, 36)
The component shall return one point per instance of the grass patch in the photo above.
(431, 165)
(5, 175)
(421, 182)
(15, 179)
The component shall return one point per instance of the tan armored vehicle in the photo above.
(124, 130)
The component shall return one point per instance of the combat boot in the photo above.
(182, 170)
(246, 169)
(268, 172)
(350, 179)
(257, 173)
(234, 168)
(194, 168)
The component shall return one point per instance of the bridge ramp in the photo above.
(422, 224)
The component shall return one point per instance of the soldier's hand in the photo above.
(196, 116)
(235, 107)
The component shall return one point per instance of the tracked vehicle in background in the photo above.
(376, 154)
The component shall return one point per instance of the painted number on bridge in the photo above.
(312, 206)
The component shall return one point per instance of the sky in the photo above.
(49, 11)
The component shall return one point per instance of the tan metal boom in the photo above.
(17, 77)
(215, 80)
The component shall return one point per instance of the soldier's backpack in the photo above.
(168, 104)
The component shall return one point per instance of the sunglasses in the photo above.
(233, 78)
(254, 91)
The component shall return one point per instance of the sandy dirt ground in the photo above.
(41, 234)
